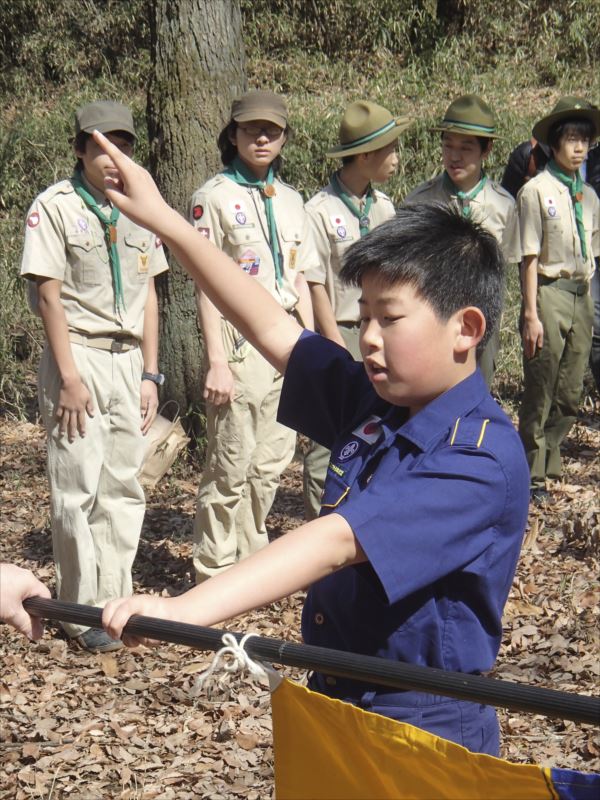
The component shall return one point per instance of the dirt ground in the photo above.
(130, 724)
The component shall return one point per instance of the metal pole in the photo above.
(366, 669)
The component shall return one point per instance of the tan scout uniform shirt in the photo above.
(335, 228)
(493, 207)
(549, 227)
(233, 217)
(65, 240)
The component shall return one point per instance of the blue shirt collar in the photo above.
(435, 420)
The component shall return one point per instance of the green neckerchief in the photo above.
(362, 216)
(575, 187)
(239, 173)
(464, 197)
(110, 233)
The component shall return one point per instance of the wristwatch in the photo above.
(156, 377)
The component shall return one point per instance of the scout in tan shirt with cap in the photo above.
(559, 216)
(259, 221)
(468, 130)
(92, 274)
(340, 214)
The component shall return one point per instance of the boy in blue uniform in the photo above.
(426, 500)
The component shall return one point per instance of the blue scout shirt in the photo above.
(438, 503)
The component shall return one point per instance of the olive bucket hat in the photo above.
(260, 104)
(568, 107)
(366, 127)
(469, 115)
(105, 116)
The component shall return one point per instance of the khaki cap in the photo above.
(260, 104)
(469, 115)
(568, 107)
(104, 116)
(366, 127)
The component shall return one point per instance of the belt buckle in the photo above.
(117, 346)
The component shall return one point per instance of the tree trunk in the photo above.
(198, 68)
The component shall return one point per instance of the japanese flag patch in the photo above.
(370, 430)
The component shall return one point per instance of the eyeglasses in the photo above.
(270, 131)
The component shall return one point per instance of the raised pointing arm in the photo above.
(239, 298)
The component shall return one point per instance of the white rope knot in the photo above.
(241, 661)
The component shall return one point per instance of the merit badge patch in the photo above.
(33, 220)
(348, 450)
(205, 232)
(82, 224)
(143, 259)
(197, 212)
(249, 262)
(370, 430)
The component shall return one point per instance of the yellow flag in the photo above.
(329, 750)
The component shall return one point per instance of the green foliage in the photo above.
(63, 42)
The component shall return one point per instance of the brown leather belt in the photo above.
(114, 344)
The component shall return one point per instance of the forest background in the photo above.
(412, 57)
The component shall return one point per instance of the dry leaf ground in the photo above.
(127, 725)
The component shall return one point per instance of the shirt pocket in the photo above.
(335, 491)
(291, 241)
(555, 247)
(137, 255)
(86, 258)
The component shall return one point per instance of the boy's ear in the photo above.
(472, 328)
(488, 149)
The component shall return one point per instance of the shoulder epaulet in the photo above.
(500, 190)
(62, 187)
(469, 432)
(317, 199)
(423, 187)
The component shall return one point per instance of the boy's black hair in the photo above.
(483, 141)
(229, 150)
(450, 261)
(579, 127)
(80, 141)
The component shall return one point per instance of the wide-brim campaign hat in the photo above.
(366, 127)
(568, 107)
(105, 116)
(469, 115)
(260, 104)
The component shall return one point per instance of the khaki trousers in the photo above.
(316, 458)
(247, 450)
(96, 502)
(554, 378)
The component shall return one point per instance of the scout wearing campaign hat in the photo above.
(105, 116)
(365, 127)
(469, 115)
(569, 107)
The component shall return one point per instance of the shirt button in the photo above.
(330, 681)
(319, 618)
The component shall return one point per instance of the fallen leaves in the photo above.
(128, 725)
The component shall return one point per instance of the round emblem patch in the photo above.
(341, 232)
(33, 219)
(349, 450)
(197, 212)
(240, 218)
(552, 211)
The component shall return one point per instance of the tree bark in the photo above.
(198, 65)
